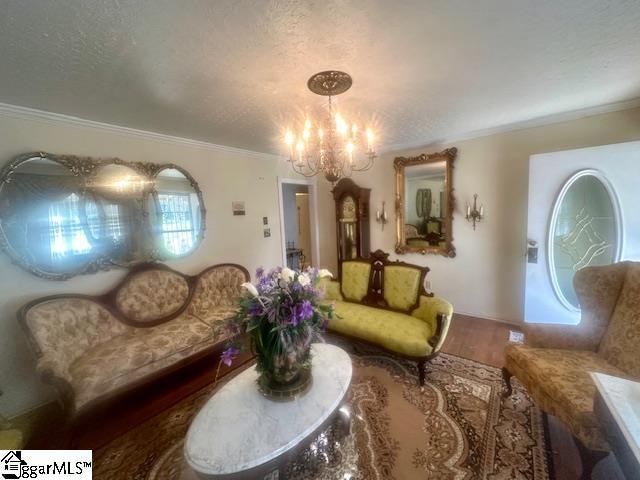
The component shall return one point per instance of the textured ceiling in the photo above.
(229, 72)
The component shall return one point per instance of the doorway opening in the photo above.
(298, 227)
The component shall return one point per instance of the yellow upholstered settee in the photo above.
(555, 362)
(384, 303)
(92, 348)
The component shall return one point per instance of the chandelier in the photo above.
(331, 145)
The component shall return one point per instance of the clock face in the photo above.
(348, 209)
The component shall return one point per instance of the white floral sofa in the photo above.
(157, 320)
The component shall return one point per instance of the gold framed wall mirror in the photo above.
(425, 203)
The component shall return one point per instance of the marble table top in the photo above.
(622, 398)
(238, 428)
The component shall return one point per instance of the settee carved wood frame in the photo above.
(400, 163)
(107, 300)
(375, 298)
(86, 169)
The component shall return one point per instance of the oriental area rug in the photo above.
(456, 427)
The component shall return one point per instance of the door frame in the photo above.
(313, 217)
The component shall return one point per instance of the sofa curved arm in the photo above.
(437, 312)
(331, 289)
(56, 374)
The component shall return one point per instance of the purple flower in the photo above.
(301, 312)
(255, 309)
(259, 272)
(229, 355)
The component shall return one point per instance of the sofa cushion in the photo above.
(218, 320)
(560, 384)
(144, 350)
(395, 331)
(355, 280)
(152, 294)
(401, 286)
(621, 342)
(217, 288)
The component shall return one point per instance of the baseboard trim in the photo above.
(515, 323)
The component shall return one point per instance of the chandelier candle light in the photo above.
(331, 146)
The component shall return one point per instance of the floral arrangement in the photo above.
(281, 313)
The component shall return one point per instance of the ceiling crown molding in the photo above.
(534, 122)
(25, 113)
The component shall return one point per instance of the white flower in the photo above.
(250, 288)
(287, 274)
(322, 273)
(303, 279)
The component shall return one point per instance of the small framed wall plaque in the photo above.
(238, 208)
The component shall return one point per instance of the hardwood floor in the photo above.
(478, 339)
(469, 337)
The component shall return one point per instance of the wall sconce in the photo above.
(473, 214)
(381, 216)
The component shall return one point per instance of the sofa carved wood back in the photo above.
(376, 295)
(149, 295)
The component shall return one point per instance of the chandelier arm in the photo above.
(299, 169)
(331, 152)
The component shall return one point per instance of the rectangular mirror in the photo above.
(424, 203)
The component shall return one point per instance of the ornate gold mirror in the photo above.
(425, 203)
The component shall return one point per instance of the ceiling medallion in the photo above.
(330, 145)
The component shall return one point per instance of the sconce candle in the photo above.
(473, 214)
(381, 216)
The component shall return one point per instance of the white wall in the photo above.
(224, 175)
(486, 278)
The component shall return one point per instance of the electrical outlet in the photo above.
(267, 232)
(427, 285)
(516, 337)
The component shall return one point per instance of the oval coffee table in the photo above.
(241, 434)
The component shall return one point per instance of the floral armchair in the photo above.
(555, 362)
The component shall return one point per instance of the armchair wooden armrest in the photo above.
(438, 311)
(442, 328)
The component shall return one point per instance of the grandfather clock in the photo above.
(352, 220)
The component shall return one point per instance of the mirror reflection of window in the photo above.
(105, 221)
(177, 222)
(67, 236)
(179, 215)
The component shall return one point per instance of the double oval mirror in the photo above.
(62, 216)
